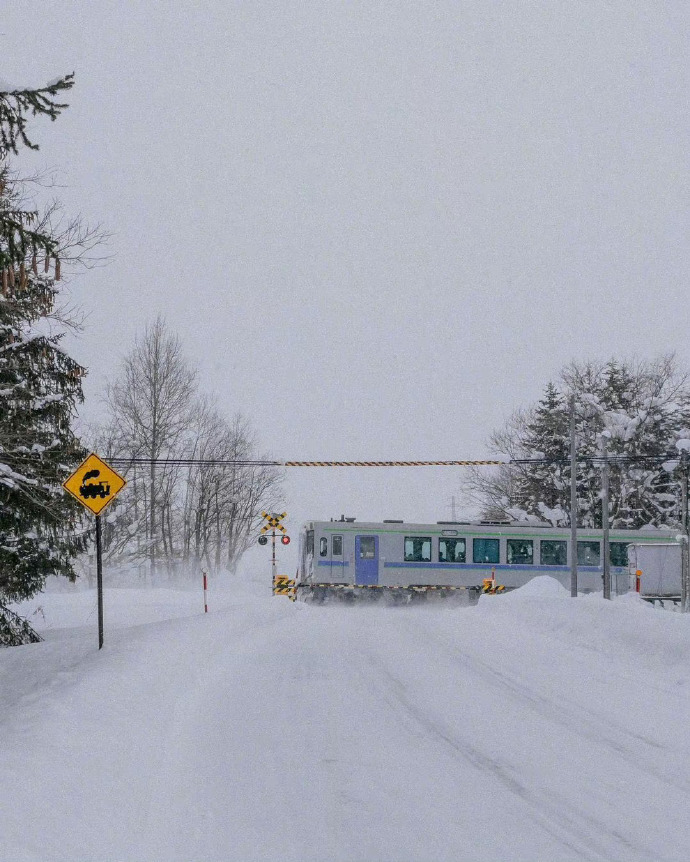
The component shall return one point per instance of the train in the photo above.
(459, 555)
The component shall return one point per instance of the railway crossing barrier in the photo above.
(490, 587)
(284, 586)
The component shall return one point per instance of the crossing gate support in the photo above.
(284, 586)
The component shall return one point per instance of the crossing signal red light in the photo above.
(262, 540)
(285, 540)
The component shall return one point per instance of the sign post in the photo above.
(99, 580)
(95, 485)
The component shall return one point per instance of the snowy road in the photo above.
(526, 728)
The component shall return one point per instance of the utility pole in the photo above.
(573, 501)
(685, 547)
(605, 518)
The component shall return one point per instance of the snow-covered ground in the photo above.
(531, 727)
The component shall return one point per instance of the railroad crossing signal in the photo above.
(94, 484)
(273, 521)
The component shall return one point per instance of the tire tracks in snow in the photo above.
(574, 829)
(576, 719)
(162, 819)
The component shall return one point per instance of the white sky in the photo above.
(379, 227)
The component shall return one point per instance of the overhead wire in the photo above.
(121, 461)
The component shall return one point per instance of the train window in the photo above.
(554, 553)
(310, 542)
(323, 546)
(451, 550)
(417, 549)
(367, 547)
(485, 550)
(618, 553)
(588, 554)
(337, 546)
(520, 552)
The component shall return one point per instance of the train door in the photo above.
(336, 559)
(366, 559)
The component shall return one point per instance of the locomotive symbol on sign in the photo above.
(93, 489)
(94, 484)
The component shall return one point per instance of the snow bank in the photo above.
(625, 626)
(48, 612)
(542, 587)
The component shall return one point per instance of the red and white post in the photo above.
(638, 579)
(205, 589)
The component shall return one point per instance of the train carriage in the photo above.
(456, 554)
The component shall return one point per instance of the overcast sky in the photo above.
(379, 227)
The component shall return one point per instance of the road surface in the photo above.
(269, 730)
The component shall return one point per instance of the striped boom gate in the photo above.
(284, 586)
(490, 587)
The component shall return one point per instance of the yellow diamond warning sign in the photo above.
(94, 484)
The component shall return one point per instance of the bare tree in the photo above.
(186, 517)
(224, 501)
(151, 403)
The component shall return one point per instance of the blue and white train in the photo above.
(460, 554)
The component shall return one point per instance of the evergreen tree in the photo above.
(39, 388)
(546, 436)
(17, 105)
(40, 385)
(641, 408)
(17, 238)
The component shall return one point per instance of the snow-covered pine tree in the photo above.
(538, 487)
(18, 104)
(642, 407)
(641, 414)
(40, 384)
(39, 389)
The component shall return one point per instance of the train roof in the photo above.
(390, 525)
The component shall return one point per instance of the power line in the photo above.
(265, 462)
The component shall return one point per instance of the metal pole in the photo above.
(605, 518)
(99, 580)
(573, 501)
(685, 548)
(273, 560)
